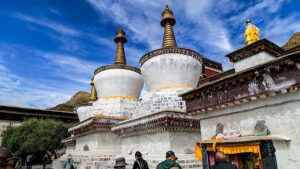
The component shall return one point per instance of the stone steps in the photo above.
(187, 161)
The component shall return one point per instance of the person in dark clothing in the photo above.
(221, 163)
(120, 163)
(170, 162)
(140, 163)
(45, 160)
(7, 159)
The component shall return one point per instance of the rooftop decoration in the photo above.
(251, 32)
(168, 21)
(120, 39)
(93, 91)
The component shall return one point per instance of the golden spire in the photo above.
(120, 54)
(168, 21)
(93, 91)
(251, 32)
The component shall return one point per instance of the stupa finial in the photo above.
(120, 39)
(93, 91)
(168, 21)
(251, 32)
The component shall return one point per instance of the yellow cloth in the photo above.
(251, 34)
(228, 149)
(53, 158)
(198, 150)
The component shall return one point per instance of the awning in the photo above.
(247, 145)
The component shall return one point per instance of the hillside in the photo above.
(77, 99)
(293, 41)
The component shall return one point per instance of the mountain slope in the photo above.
(77, 99)
(292, 42)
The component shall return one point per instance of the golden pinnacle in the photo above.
(93, 91)
(168, 21)
(120, 39)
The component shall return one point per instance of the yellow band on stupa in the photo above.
(124, 97)
(170, 87)
(111, 117)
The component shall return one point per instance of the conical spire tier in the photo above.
(167, 22)
(120, 39)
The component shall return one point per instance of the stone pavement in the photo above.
(38, 167)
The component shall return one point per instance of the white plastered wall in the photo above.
(282, 116)
(102, 142)
(171, 70)
(118, 82)
(158, 143)
(254, 60)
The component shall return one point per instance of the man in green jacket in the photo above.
(169, 162)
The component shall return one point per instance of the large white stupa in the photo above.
(117, 123)
(116, 88)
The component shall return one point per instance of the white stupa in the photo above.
(117, 86)
(167, 72)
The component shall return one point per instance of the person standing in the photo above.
(140, 163)
(221, 163)
(45, 161)
(120, 163)
(69, 162)
(170, 161)
(7, 159)
(52, 159)
(29, 161)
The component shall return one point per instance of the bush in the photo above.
(35, 136)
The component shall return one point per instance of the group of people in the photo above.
(170, 162)
(140, 163)
(9, 161)
(48, 160)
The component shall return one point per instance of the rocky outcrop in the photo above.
(76, 100)
(293, 41)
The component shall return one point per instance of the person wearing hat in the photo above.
(120, 163)
(170, 162)
(140, 163)
(7, 159)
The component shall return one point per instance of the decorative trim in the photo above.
(254, 48)
(117, 66)
(166, 50)
(124, 97)
(170, 87)
(165, 123)
(93, 124)
(111, 117)
(211, 63)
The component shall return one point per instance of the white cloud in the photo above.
(3, 68)
(280, 30)
(49, 24)
(15, 90)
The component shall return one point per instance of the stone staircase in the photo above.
(187, 161)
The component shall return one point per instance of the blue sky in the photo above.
(50, 48)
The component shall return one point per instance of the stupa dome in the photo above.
(118, 80)
(170, 66)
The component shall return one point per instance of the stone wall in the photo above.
(4, 124)
(120, 107)
(161, 100)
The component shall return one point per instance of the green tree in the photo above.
(35, 136)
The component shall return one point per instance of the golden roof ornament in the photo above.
(251, 32)
(93, 91)
(168, 21)
(120, 39)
